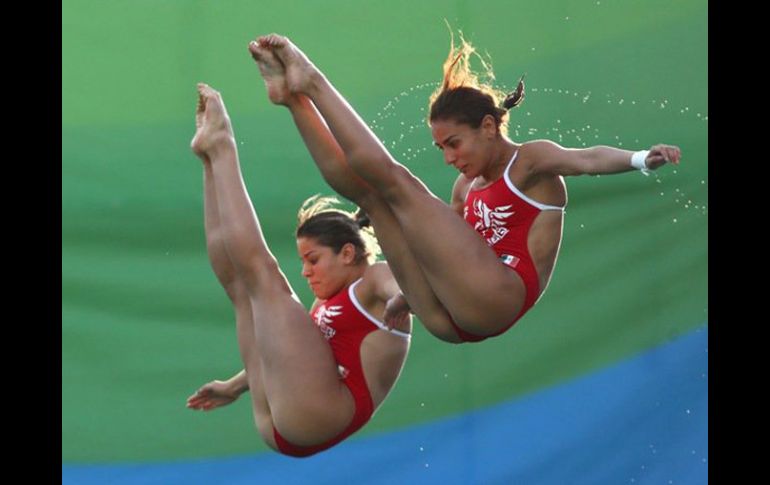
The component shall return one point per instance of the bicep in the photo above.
(547, 157)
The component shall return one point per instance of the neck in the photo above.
(501, 155)
(355, 274)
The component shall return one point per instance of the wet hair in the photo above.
(464, 97)
(319, 220)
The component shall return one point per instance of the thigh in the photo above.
(480, 293)
(308, 402)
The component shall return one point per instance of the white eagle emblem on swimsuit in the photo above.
(491, 223)
(324, 318)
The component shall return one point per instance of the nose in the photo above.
(449, 157)
(306, 272)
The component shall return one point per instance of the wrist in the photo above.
(239, 383)
(638, 160)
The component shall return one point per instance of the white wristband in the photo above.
(638, 158)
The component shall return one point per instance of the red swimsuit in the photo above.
(344, 323)
(503, 215)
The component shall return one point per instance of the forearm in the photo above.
(326, 152)
(601, 160)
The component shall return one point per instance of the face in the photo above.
(326, 272)
(465, 148)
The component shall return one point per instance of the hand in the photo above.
(213, 395)
(396, 311)
(660, 154)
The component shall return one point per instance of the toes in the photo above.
(254, 49)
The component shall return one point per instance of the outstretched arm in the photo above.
(548, 157)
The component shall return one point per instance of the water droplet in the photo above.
(446, 375)
(422, 404)
(687, 411)
(566, 18)
(421, 448)
(582, 226)
(426, 465)
(702, 182)
(621, 101)
(675, 220)
(533, 49)
(693, 452)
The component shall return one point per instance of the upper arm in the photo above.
(547, 157)
(459, 192)
(378, 283)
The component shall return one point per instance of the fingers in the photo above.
(669, 153)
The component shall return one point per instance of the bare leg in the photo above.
(308, 403)
(236, 291)
(480, 293)
(330, 159)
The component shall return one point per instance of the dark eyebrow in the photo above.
(446, 140)
(308, 253)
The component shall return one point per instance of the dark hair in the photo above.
(463, 98)
(333, 228)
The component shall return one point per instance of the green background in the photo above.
(144, 322)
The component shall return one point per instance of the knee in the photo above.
(260, 273)
(402, 184)
(236, 289)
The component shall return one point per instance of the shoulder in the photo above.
(542, 156)
(459, 192)
(536, 149)
(376, 275)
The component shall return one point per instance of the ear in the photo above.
(348, 253)
(488, 126)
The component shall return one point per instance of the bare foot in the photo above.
(273, 73)
(301, 74)
(212, 124)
